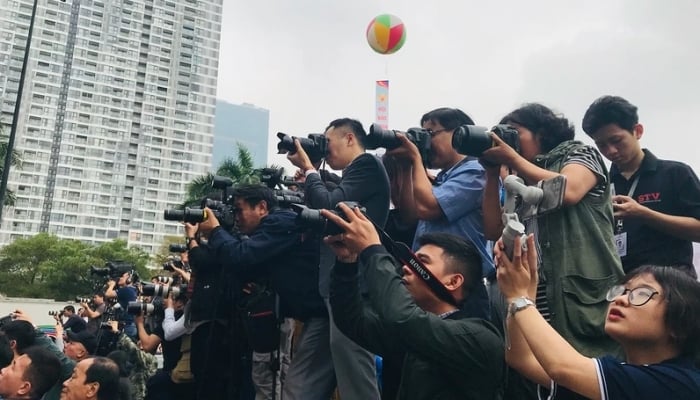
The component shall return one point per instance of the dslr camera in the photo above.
(224, 211)
(173, 261)
(114, 270)
(55, 313)
(156, 290)
(140, 308)
(312, 219)
(315, 146)
(378, 137)
(177, 248)
(472, 140)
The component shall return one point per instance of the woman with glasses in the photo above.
(653, 313)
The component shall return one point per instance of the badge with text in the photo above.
(621, 244)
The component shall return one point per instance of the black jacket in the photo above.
(452, 358)
(278, 252)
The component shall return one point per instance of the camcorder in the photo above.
(223, 210)
(472, 140)
(156, 290)
(177, 248)
(315, 145)
(114, 270)
(311, 219)
(378, 137)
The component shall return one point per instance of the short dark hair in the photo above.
(551, 129)
(69, 308)
(6, 354)
(254, 193)
(462, 257)
(43, 372)
(681, 292)
(20, 331)
(354, 125)
(449, 118)
(608, 110)
(105, 372)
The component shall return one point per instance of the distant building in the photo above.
(240, 123)
(117, 114)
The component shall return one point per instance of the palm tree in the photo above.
(240, 170)
(16, 162)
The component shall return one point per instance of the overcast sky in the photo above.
(308, 62)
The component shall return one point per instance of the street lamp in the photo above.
(15, 117)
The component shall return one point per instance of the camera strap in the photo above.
(404, 255)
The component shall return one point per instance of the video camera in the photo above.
(114, 270)
(378, 137)
(316, 146)
(312, 219)
(474, 140)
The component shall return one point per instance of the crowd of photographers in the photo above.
(514, 272)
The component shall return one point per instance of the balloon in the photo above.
(386, 34)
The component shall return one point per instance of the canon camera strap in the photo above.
(404, 255)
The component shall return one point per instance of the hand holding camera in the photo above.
(210, 223)
(299, 158)
(358, 232)
(501, 153)
(517, 277)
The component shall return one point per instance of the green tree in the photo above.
(240, 170)
(16, 162)
(46, 266)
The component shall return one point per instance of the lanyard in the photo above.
(619, 226)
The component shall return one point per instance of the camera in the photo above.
(165, 280)
(313, 220)
(315, 145)
(139, 308)
(163, 290)
(55, 313)
(474, 140)
(177, 248)
(378, 137)
(173, 261)
(85, 300)
(113, 269)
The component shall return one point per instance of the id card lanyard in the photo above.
(619, 224)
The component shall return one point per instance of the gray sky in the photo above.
(308, 62)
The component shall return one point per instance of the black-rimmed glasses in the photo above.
(638, 296)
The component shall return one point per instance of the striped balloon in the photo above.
(386, 34)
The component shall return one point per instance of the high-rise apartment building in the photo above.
(117, 114)
(243, 124)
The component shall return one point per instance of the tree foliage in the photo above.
(46, 266)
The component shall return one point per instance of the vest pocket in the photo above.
(585, 304)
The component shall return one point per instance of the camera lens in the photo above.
(471, 140)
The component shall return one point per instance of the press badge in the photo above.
(621, 244)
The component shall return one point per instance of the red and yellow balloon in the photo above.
(386, 34)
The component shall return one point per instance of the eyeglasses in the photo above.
(438, 131)
(638, 296)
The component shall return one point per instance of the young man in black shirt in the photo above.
(657, 202)
(74, 322)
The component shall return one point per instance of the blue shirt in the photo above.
(676, 379)
(459, 191)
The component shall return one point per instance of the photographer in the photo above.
(94, 311)
(124, 293)
(275, 250)
(74, 322)
(143, 364)
(449, 203)
(448, 354)
(578, 260)
(365, 181)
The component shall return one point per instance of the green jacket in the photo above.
(579, 262)
(144, 366)
(452, 358)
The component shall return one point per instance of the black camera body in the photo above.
(55, 313)
(315, 145)
(177, 248)
(378, 137)
(114, 270)
(173, 261)
(472, 140)
(312, 219)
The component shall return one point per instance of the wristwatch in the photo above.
(519, 304)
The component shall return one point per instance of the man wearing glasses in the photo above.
(450, 202)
